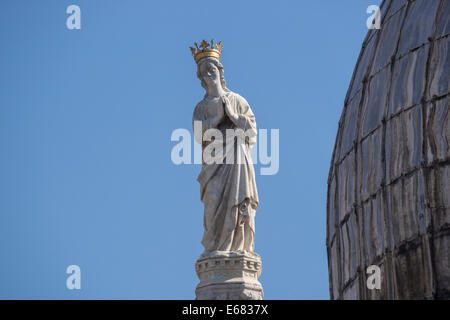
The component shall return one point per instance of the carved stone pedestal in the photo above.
(229, 276)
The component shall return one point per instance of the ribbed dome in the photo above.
(389, 183)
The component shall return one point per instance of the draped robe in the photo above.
(228, 191)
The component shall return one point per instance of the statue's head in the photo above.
(210, 73)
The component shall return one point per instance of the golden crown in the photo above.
(207, 50)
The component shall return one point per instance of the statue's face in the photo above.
(210, 73)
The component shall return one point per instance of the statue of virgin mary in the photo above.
(227, 187)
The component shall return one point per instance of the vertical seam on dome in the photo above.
(387, 214)
(427, 171)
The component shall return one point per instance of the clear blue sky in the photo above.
(85, 123)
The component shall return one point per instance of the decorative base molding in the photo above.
(229, 276)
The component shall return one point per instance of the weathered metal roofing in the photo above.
(389, 183)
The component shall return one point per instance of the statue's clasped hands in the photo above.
(227, 105)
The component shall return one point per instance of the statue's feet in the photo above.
(205, 253)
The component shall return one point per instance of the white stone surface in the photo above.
(229, 276)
